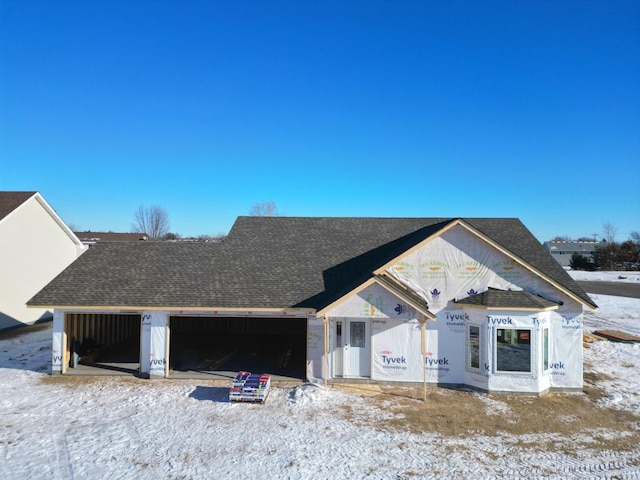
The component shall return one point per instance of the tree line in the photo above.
(610, 255)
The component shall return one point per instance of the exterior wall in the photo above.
(33, 250)
(154, 331)
(562, 251)
(155, 337)
(566, 346)
(456, 265)
(395, 336)
(318, 365)
(563, 258)
(58, 343)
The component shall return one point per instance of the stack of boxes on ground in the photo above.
(248, 387)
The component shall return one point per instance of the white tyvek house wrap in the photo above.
(454, 266)
(373, 302)
(445, 355)
(145, 343)
(158, 346)
(395, 350)
(315, 350)
(566, 350)
(57, 348)
(395, 333)
(458, 264)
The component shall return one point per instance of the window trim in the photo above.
(495, 353)
(468, 347)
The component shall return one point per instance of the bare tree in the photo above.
(153, 220)
(610, 231)
(264, 209)
(212, 238)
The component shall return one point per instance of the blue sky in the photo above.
(527, 109)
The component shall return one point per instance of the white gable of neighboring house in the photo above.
(35, 246)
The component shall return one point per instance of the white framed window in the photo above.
(513, 350)
(473, 347)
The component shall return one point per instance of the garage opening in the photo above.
(102, 343)
(223, 346)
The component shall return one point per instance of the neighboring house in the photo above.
(475, 301)
(35, 246)
(90, 238)
(562, 251)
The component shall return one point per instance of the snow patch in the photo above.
(131, 428)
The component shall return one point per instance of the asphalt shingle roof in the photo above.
(9, 201)
(269, 262)
(493, 298)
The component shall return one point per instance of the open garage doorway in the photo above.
(102, 344)
(222, 346)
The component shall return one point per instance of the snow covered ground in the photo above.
(627, 277)
(101, 428)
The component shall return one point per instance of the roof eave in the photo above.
(388, 283)
(209, 310)
(511, 309)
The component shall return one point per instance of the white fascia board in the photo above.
(419, 308)
(40, 199)
(366, 284)
(174, 310)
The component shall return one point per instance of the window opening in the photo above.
(357, 334)
(474, 346)
(513, 350)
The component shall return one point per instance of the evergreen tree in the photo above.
(580, 262)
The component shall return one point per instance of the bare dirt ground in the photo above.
(576, 418)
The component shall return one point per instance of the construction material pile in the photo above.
(248, 387)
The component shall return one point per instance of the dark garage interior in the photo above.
(227, 345)
(103, 343)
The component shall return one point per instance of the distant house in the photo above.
(90, 238)
(35, 246)
(562, 251)
(465, 301)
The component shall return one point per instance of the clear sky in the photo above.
(527, 109)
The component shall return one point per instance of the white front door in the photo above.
(357, 348)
